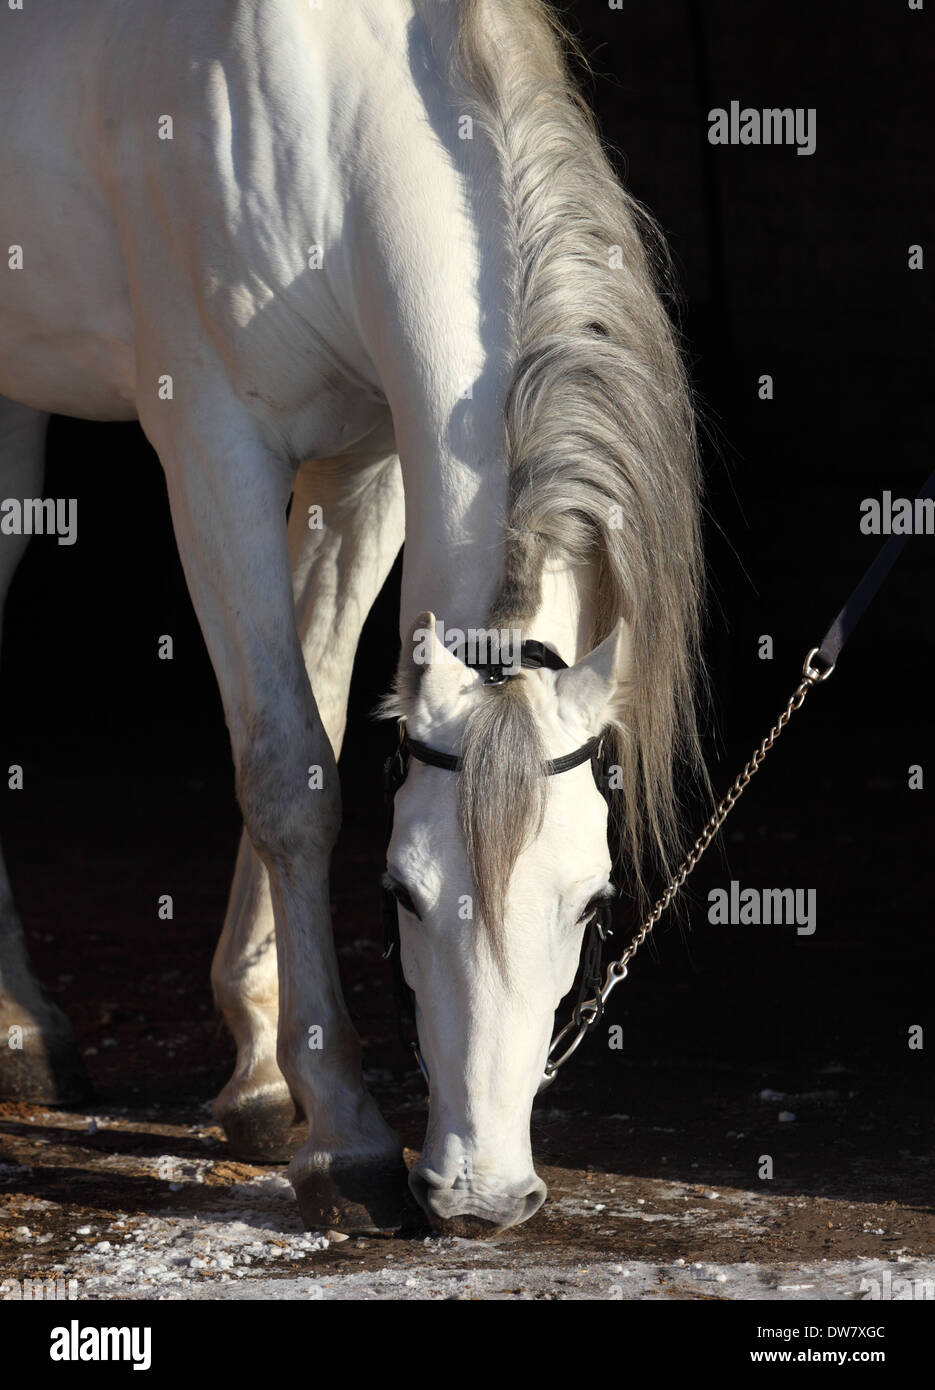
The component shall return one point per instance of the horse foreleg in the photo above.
(256, 1108)
(39, 1058)
(337, 572)
(228, 495)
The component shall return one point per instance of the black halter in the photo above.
(533, 656)
(452, 763)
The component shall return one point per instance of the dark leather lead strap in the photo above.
(868, 588)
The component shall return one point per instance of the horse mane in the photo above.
(600, 445)
(600, 433)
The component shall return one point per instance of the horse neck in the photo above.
(565, 617)
(431, 275)
(427, 278)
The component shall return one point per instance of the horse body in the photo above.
(315, 287)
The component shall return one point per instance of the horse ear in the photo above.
(438, 678)
(592, 687)
(423, 648)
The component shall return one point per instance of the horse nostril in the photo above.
(533, 1200)
(420, 1189)
(432, 1197)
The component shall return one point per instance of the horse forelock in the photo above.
(501, 796)
(501, 790)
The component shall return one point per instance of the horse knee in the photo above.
(240, 987)
(289, 793)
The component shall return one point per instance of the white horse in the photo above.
(371, 255)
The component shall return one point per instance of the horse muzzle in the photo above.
(478, 1208)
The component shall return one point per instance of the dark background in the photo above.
(791, 265)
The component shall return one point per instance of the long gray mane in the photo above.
(600, 443)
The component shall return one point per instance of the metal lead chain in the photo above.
(587, 1013)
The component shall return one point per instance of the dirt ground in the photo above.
(734, 1048)
(141, 1202)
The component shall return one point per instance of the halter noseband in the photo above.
(433, 757)
(533, 656)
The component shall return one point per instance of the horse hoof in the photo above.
(46, 1068)
(262, 1131)
(354, 1195)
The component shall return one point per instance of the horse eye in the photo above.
(404, 898)
(604, 896)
